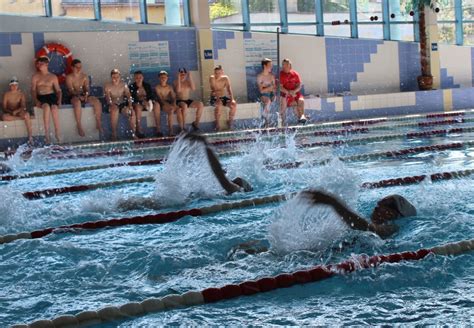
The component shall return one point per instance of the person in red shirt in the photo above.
(290, 95)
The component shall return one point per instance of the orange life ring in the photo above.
(61, 50)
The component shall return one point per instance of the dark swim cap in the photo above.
(243, 184)
(399, 204)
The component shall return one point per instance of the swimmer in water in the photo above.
(230, 186)
(4, 168)
(387, 209)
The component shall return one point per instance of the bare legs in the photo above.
(217, 114)
(96, 105)
(23, 115)
(266, 109)
(169, 110)
(157, 115)
(53, 111)
(182, 107)
(298, 105)
(77, 107)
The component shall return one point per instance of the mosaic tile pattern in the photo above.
(219, 40)
(447, 82)
(345, 58)
(409, 61)
(6, 42)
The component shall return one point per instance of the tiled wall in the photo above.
(100, 52)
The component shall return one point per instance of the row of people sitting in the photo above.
(139, 96)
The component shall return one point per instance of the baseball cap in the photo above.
(162, 73)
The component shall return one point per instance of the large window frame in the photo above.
(142, 4)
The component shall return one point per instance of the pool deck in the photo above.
(318, 109)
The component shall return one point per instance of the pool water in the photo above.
(67, 273)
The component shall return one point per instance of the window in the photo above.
(301, 17)
(468, 15)
(264, 15)
(446, 22)
(20, 7)
(370, 17)
(120, 10)
(336, 18)
(226, 12)
(73, 8)
(166, 12)
(401, 20)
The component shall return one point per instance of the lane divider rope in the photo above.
(270, 130)
(246, 288)
(159, 218)
(375, 155)
(308, 145)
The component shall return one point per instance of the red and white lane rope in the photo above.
(376, 155)
(291, 128)
(159, 218)
(305, 145)
(245, 288)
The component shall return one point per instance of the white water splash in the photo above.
(299, 225)
(186, 172)
(16, 212)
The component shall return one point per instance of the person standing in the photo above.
(222, 95)
(77, 84)
(290, 92)
(47, 95)
(144, 100)
(14, 107)
(183, 86)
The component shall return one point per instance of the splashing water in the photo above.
(186, 172)
(301, 226)
(16, 212)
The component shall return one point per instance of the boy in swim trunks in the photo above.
(219, 84)
(290, 95)
(118, 98)
(47, 95)
(77, 84)
(266, 87)
(183, 86)
(14, 107)
(143, 99)
(167, 100)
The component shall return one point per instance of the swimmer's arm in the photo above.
(216, 166)
(229, 89)
(261, 88)
(34, 94)
(57, 88)
(212, 84)
(350, 218)
(86, 87)
(191, 82)
(173, 95)
(69, 86)
(108, 95)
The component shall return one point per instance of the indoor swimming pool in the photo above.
(70, 271)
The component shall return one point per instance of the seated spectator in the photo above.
(47, 95)
(14, 107)
(77, 84)
(183, 86)
(143, 99)
(290, 95)
(266, 87)
(220, 84)
(167, 99)
(118, 98)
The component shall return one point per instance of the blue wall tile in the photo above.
(447, 82)
(409, 65)
(15, 38)
(345, 58)
(38, 41)
(463, 98)
(5, 50)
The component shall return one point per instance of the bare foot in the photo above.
(80, 130)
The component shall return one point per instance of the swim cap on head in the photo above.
(14, 80)
(399, 204)
(243, 184)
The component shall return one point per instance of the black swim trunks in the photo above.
(188, 102)
(50, 99)
(225, 100)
